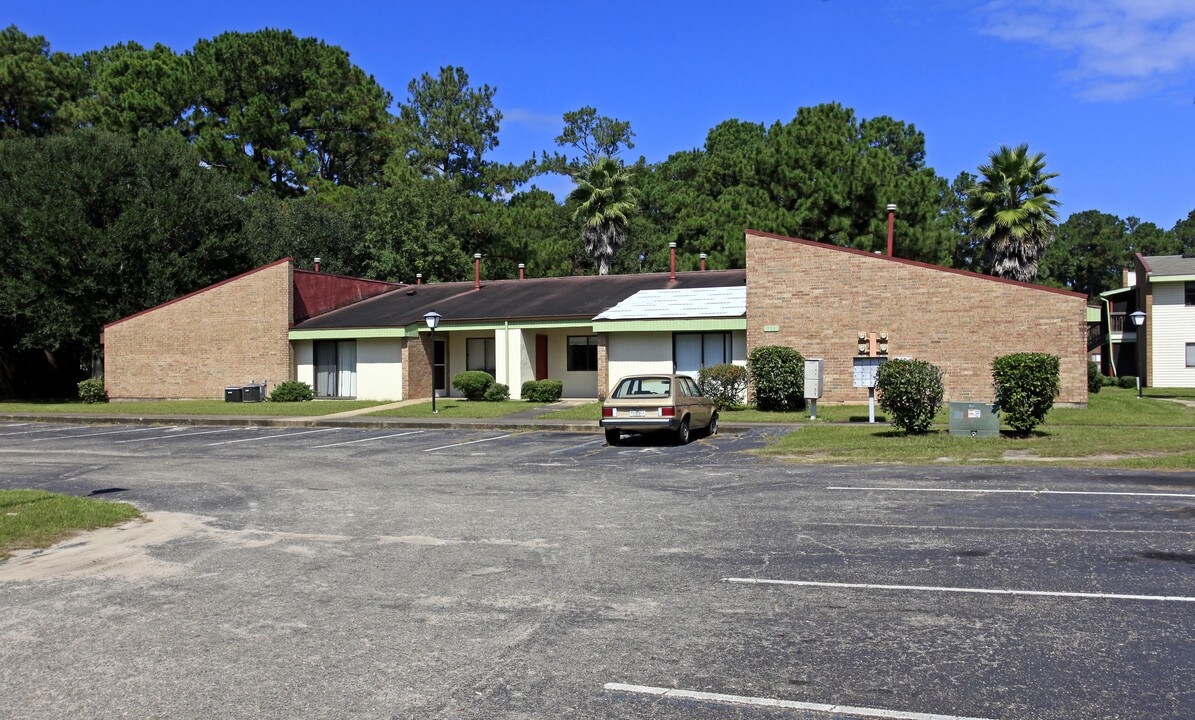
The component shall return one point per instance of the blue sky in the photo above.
(1106, 88)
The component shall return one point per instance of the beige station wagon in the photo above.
(658, 403)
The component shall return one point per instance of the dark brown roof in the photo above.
(582, 296)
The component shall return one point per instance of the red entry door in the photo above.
(541, 357)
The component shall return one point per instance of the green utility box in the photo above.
(974, 419)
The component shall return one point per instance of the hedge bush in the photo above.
(473, 383)
(92, 391)
(1129, 382)
(777, 377)
(497, 393)
(1108, 380)
(292, 391)
(1026, 385)
(911, 392)
(725, 384)
(542, 391)
(1095, 379)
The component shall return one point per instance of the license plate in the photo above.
(638, 413)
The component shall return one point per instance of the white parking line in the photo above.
(445, 447)
(10, 425)
(1018, 492)
(110, 432)
(369, 439)
(725, 699)
(978, 591)
(175, 435)
(272, 437)
(970, 528)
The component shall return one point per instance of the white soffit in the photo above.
(687, 303)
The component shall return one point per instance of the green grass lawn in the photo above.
(1095, 446)
(37, 519)
(189, 407)
(1119, 407)
(588, 411)
(457, 408)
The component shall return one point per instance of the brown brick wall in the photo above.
(603, 360)
(227, 334)
(821, 297)
(416, 367)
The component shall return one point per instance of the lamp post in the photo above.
(1138, 318)
(433, 321)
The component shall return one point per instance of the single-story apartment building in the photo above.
(365, 339)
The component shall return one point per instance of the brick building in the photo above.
(817, 298)
(358, 338)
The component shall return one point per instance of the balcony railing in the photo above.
(1118, 322)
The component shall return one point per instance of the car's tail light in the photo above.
(667, 412)
(607, 412)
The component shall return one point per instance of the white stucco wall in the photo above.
(1173, 326)
(379, 369)
(304, 361)
(636, 353)
(457, 354)
(577, 384)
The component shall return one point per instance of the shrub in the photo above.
(911, 392)
(1128, 382)
(1095, 380)
(777, 377)
(473, 383)
(497, 393)
(1108, 380)
(1026, 384)
(291, 391)
(725, 384)
(542, 391)
(92, 391)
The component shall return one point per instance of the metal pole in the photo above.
(813, 409)
(871, 404)
(433, 358)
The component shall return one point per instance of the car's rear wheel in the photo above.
(712, 428)
(682, 432)
(613, 437)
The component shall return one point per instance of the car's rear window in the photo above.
(646, 387)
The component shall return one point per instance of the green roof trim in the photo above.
(503, 324)
(347, 333)
(670, 325)
(1170, 278)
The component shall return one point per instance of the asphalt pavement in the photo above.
(339, 572)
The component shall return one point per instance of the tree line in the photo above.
(131, 175)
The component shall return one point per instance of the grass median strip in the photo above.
(38, 519)
(1157, 448)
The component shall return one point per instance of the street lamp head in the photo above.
(1138, 318)
(432, 319)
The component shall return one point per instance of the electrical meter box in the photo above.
(814, 378)
(974, 419)
(866, 369)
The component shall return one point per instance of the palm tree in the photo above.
(605, 201)
(1013, 210)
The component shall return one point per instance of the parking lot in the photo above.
(404, 573)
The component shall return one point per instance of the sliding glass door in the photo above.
(336, 368)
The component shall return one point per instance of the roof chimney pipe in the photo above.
(317, 264)
(476, 271)
(703, 256)
(521, 266)
(672, 261)
(891, 223)
(418, 278)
